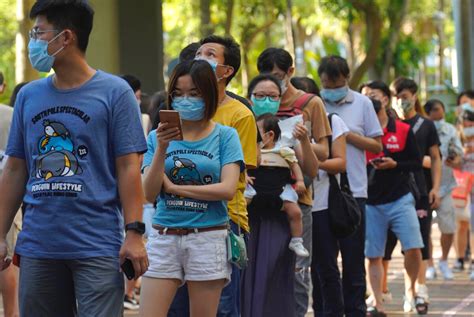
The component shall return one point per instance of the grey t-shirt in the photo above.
(359, 115)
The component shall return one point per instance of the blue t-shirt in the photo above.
(70, 140)
(195, 163)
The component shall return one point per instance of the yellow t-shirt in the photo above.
(236, 115)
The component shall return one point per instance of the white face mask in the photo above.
(283, 85)
(468, 131)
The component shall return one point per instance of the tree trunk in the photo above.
(24, 70)
(229, 16)
(161, 46)
(440, 32)
(290, 37)
(300, 62)
(373, 21)
(206, 27)
(397, 13)
(247, 38)
(350, 34)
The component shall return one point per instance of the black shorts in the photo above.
(425, 229)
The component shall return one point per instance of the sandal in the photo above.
(373, 312)
(421, 305)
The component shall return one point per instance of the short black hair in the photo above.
(379, 85)
(270, 123)
(259, 78)
(271, 57)
(231, 51)
(189, 52)
(76, 15)
(133, 82)
(15, 92)
(203, 78)
(430, 104)
(402, 83)
(306, 84)
(334, 67)
(1, 78)
(377, 105)
(468, 93)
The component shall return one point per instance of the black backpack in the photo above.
(344, 212)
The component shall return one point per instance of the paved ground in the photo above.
(448, 298)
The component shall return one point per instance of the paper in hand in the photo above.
(287, 127)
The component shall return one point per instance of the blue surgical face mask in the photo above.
(189, 108)
(438, 124)
(211, 62)
(334, 95)
(38, 54)
(265, 105)
(467, 107)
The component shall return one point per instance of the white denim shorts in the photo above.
(198, 256)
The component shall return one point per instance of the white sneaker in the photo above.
(296, 245)
(445, 270)
(408, 304)
(458, 266)
(430, 273)
(387, 297)
(422, 291)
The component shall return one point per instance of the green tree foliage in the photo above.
(8, 31)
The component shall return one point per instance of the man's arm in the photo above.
(12, 188)
(435, 175)
(131, 197)
(373, 145)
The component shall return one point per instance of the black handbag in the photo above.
(344, 212)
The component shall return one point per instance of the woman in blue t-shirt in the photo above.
(192, 180)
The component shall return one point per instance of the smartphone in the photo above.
(173, 120)
(377, 160)
(127, 269)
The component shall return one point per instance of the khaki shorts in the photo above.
(446, 217)
(12, 235)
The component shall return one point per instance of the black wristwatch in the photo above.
(137, 226)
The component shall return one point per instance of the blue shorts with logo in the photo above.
(400, 216)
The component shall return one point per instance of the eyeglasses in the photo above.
(35, 33)
(260, 97)
(177, 94)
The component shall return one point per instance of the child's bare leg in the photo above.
(293, 212)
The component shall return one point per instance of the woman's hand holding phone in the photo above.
(165, 134)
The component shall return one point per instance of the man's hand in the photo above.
(4, 260)
(134, 249)
(454, 162)
(435, 200)
(384, 164)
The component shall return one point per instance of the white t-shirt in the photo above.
(321, 183)
(359, 115)
(6, 114)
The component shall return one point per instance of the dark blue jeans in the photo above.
(325, 275)
(229, 305)
(63, 288)
(353, 269)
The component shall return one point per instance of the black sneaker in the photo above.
(130, 303)
(458, 266)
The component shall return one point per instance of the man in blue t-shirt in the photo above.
(74, 159)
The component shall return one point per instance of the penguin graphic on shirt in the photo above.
(56, 138)
(185, 172)
(57, 157)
